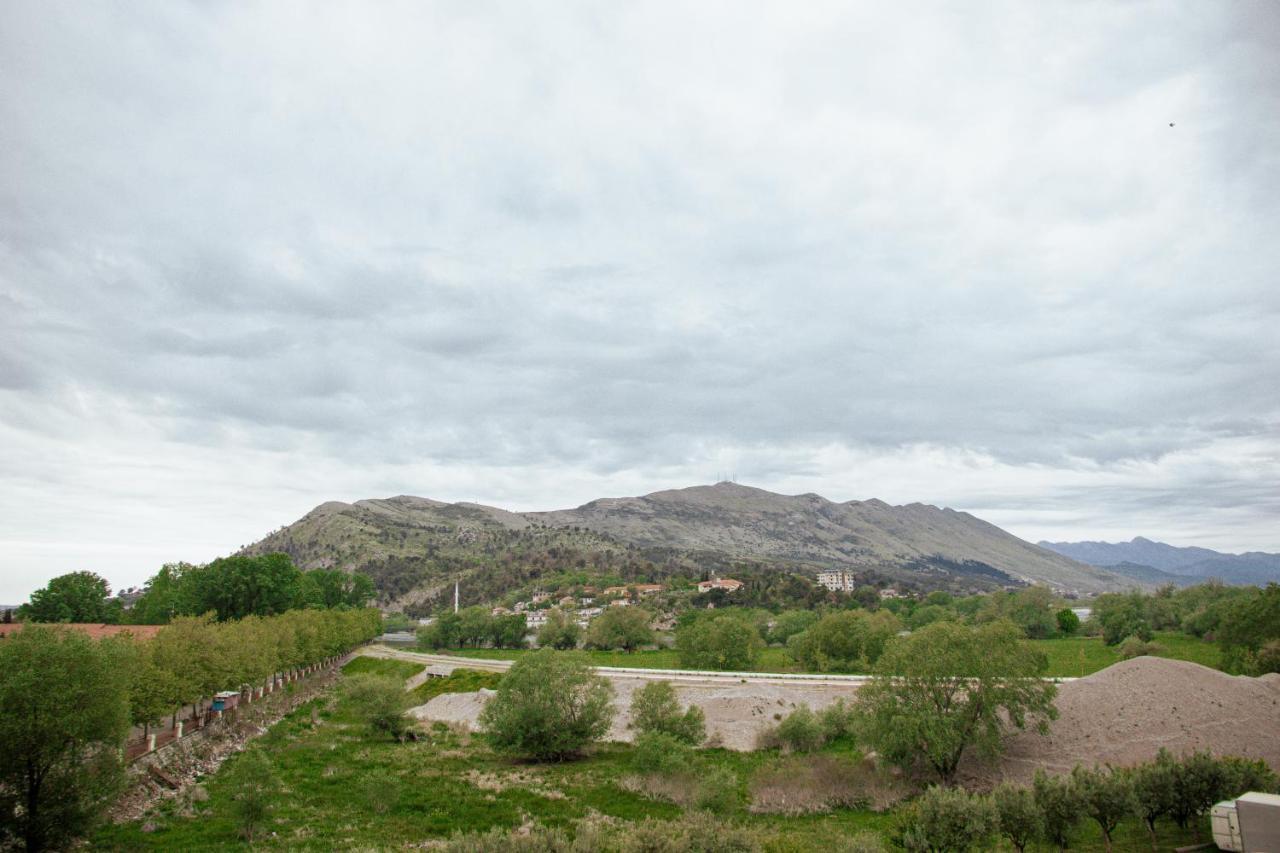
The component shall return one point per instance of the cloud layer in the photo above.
(1017, 260)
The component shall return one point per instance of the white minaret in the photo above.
(455, 596)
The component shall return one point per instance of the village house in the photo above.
(648, 588)
(536, 619)
(726, 584)
(539, 597)
(94, 630)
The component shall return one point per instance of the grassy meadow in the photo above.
(1069, 657)
(342, 787)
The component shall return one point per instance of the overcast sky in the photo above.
(1015, 258)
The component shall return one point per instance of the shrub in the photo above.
(255, 785)
(838, 720)
(815, 784)
(1060, 807)
(1106, 796)
(1068, 622)
(550, 705)
(801, 730)
(659, 752)
(655, 708)
(380, 791)
(380, 701)
(1017, 815)
(1133, 647)
(718, 791)
(944, 820)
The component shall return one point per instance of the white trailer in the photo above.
(1247, 824)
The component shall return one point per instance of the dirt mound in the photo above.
(454, 707)
(1125, 713)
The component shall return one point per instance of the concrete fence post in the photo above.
(151, 743)
(179, 730)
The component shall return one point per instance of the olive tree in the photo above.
(1106, 796)
(948, 689)
(947, 820)
(1018, 818)
(549, 706)
(380, 701)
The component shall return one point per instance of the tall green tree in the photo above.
(74, 597)
(560, 631)
(64, 710)
(948, 689)
(625, 628)
(549, 706)
(719, 642)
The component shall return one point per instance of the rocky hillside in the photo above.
(415, 548)
(742, 521)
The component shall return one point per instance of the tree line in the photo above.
(67, 702)
(229, 588)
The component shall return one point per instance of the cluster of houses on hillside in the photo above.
(592, 602)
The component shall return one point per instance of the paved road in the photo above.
(674, 675)
(690, 676)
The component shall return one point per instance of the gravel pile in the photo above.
(1125, 713)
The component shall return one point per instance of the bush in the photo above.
(659, 752)
(718, 791)
(944, 820)
(255, 785)
(380, 701)
(838, 720)
(1018, 817)
(1060, 807)
(550, 705)
(801, 730)
(380, 791)
(1133, 647)
(1068, 622)
(655, 708)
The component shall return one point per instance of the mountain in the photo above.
(746, 522)
(1187, 565)
(415, 548)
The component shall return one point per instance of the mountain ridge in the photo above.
(1188, 564)
(413, 547)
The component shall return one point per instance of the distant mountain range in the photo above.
(414, 547)
(1159, 563)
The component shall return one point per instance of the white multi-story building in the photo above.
(837, 580)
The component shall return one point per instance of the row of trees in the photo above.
(1245, 621)
(230, 588)
(66, 702)
(1180, 790)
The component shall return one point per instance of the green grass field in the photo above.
(1070, 657)
(382, 666)
(342, 787)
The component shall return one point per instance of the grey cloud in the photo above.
(606, 242)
